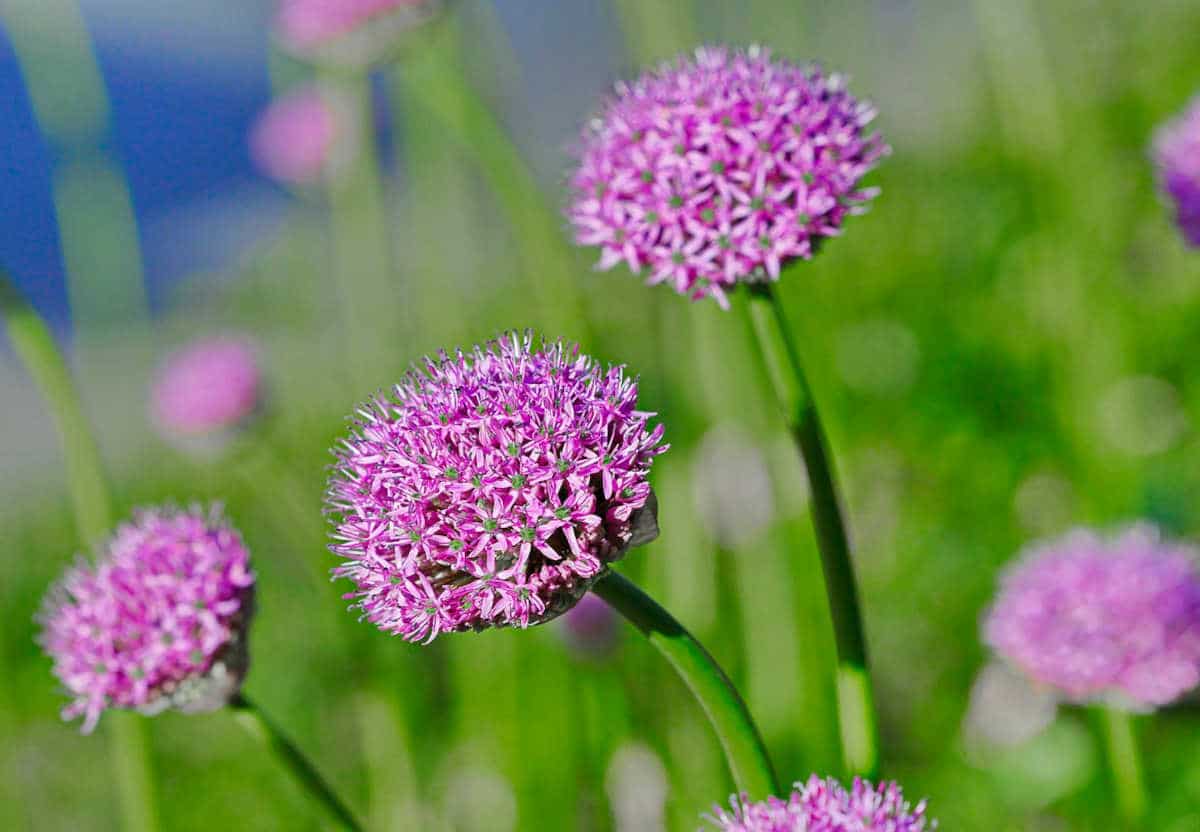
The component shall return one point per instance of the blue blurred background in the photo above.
(1003, 347)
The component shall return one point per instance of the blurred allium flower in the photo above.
(157, 622)
(720, 169)
(1177, 155)
(491, 489)
(349, 31)
(211, 386)
(590, 627)
(824, 806)
(296, 138)
(1103, 619)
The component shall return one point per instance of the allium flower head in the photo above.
(491, 489)
(296, 139)
(590, 628)
(825, 806)
(349, 31)
(1115, 619)
(157, 622)
(718, 170)
(210, 386)
(1177, 155)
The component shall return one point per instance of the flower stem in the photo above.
(130, 756)
(744, 749)
(298, 766)
(369, 295)
(1124, 764)
(35, 346)
(435, 86)
(855, 706)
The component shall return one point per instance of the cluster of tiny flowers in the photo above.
(211, 385)
(308, 26)
(1177, 154)
(294, 139)
(163, 607)
(718, 170)
(825, 806)
(1103, 619)
(491, 489)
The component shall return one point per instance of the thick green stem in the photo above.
(251, 717)
(855, 705)
(35, 346)
(1124, 765)
(743, 745)
(130, 755)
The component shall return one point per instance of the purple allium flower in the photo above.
(825, 806)
(210, 386)
(1177, 155)
(295, 139)
(491, 489)
(1103, 618)
(349, 31)
(157, 622)
(720, 169)
(590, 628)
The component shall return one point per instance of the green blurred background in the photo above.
(1002, 347)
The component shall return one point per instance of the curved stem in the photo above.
(744, 749)
(35, 345)
(782, 357)
(298, 766)
(1124, 765)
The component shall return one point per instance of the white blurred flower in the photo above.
(1005, 708)
(732, 487)
(636, 783)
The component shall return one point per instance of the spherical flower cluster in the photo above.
(1103, 619)
(349, 31)
(719, 170)
(825, 806)
(492, 489)
(158, 622)
(212, 385)
(1177, 155)
(295, 139)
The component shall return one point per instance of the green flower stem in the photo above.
(1124, 764)
(369, 296)
(251, 717)
(744, 749)
(35, 346)
(435, 86)
(97, 229)
(855, 706)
